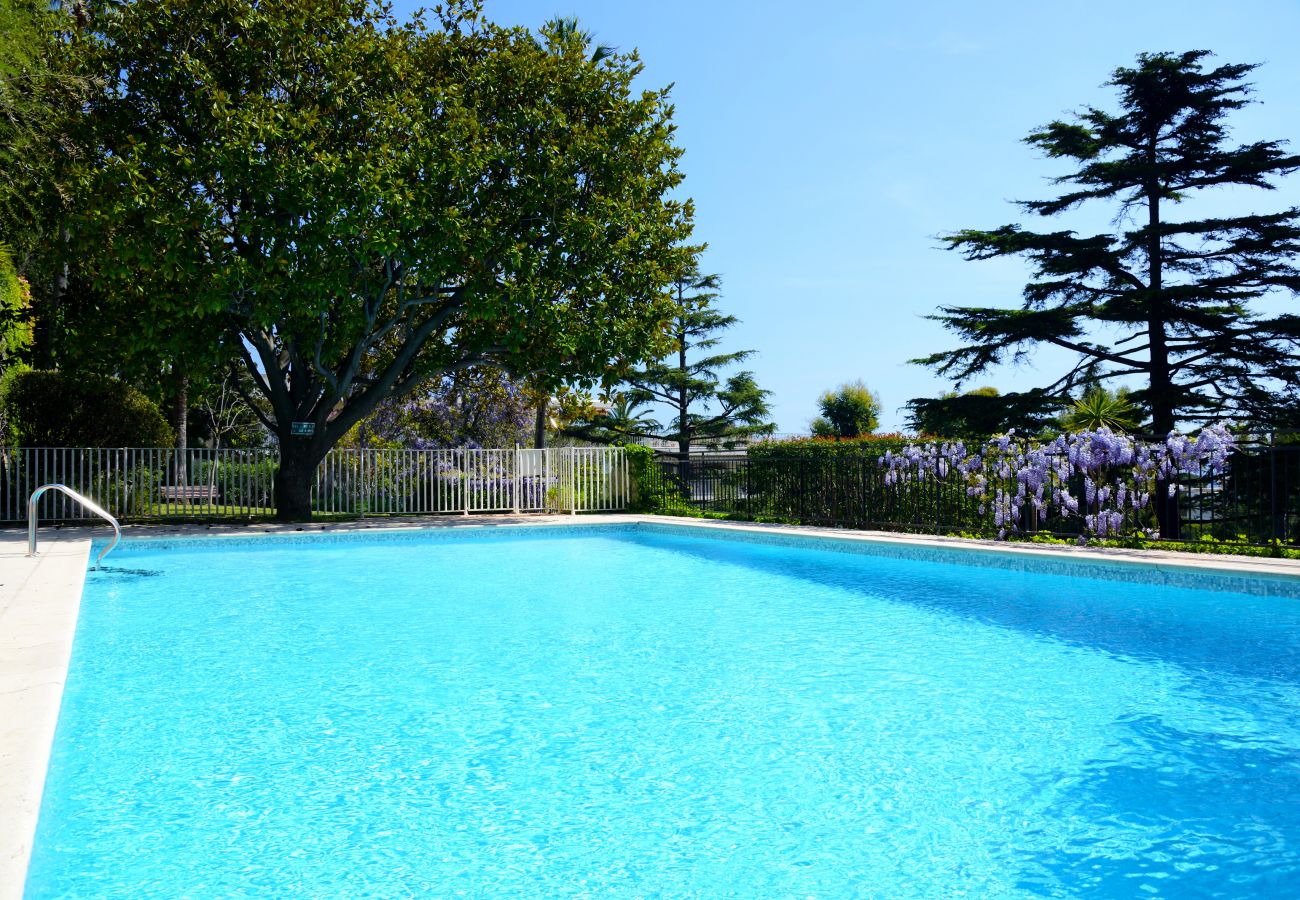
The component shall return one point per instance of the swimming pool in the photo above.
(651, 711)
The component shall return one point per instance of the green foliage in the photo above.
(983, 412)
(58, 409)
(32, 102)
(15, 310)
(1176, 294)
(873, 445)
(825, 480)
(354, 205)
(40, 97)
(702, 407)
(849, 411)
(651, 491)
(623, 418)
(1101, 408)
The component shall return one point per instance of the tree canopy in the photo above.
(849, 411)
(350, 206)
(15, 310)
(1178, 293)
(983, 412)
(688, 379)
(29, 93)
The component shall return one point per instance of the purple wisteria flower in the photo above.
(1015, 480)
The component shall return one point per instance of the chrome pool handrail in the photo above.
(80, 498)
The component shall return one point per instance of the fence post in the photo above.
(1272, 490)
(802, 488)
(573, 483)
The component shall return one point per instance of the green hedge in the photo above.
(57, 409)
(652, 491)
(831, 448)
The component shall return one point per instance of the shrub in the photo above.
(652, 491)
(58, 409)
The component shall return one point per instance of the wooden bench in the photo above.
(186, 493)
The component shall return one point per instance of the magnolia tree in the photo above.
(1107, 479)
(353, 207)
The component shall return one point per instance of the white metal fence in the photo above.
(151, 482)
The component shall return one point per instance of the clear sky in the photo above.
(829, 142)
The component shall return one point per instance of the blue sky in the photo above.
(828, 143)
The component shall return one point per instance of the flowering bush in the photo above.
(1106, 479)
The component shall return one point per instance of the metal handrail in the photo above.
(80, 498)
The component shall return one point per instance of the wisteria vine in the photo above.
(1118, 474)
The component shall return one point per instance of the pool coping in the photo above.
(1161, 560)
(40, 599)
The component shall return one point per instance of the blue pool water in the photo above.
(645, 712)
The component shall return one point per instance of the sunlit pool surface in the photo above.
(645, 712)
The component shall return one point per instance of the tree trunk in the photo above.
(299, 458)
(683, 398)
(539, 424)
(46, 341)
(1160, 394)
(181, 422)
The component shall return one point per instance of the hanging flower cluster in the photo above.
(1105, 478)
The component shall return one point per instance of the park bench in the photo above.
(187, 493)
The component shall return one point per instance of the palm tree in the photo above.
(630, 417)
(563, 32)
(1101, 408)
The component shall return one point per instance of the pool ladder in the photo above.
(80, 498)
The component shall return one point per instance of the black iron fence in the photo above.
(1255, 499)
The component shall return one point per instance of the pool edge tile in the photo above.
(38, 619)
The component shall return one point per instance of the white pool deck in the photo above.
(40, 597)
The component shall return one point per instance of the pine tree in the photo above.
(702, 406)
(1175, 292)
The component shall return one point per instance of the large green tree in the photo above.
(688, 380)
(1167, 299)
(351, 205)
(851, 410)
